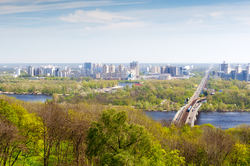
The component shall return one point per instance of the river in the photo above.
(41, 98)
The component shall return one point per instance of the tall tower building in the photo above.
(31, 71)
(135, 65)
(112, 68)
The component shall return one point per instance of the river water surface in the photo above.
(41, 98)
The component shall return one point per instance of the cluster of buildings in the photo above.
(48, 71)
(172, 70)
(111, 72)
(227, 71)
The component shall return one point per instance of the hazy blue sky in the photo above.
(165, 31)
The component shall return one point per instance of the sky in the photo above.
(121, 31)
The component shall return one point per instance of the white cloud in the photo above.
(124, 25)
(95, 16)
(9, 9)
(244, 20)
(194, 21)
(216, 15)
(28, 1)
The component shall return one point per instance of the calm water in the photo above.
(41, 98)
(224, 120)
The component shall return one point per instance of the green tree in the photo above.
(119, 143)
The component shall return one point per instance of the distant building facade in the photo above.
(135, 66)
(31, 71)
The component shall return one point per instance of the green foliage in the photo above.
(83, 134)
(148, 96)
(118, 143)
(234, 96)
(54, 85)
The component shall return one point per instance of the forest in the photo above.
(231, 95)
(52, 85)
(150, 95)
(160, 95)
(33, 133)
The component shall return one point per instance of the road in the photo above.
(192, 114)
(183, 115)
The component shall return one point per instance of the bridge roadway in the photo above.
(185, 116)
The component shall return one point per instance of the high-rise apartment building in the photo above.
(223, 66)
(238, 69)
(38, 71)
(227, 69)
(173, 70)
(245, 75)
(31, 71)
(17, 71)
(162, 69)
(105, 69)
(233, 74)
(112, 68)
(155, 69)
(58, 73)
(135, 65)
(48, 71)
(88, 67)
(248, 68)
(120, 68)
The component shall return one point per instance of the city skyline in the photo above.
(59, 31)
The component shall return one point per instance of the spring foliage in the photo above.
(92, 134)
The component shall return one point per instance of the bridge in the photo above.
(188, 113)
